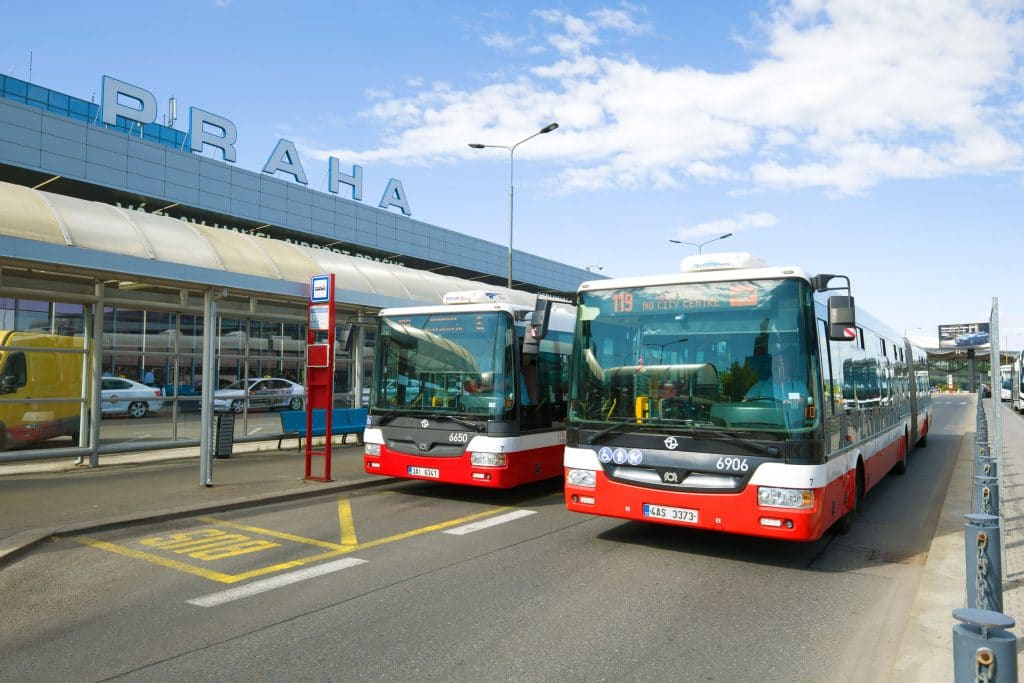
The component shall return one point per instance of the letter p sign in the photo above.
(142, 108)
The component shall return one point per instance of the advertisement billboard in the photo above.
(963, 335)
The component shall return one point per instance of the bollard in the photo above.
(983, 650)
(986, 496)
(982, 548)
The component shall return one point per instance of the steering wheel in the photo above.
(773, 399)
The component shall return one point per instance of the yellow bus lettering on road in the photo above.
(233, 550)
(208, 544)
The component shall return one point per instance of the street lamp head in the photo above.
(476, 145)
(548, 128)
(728, 234)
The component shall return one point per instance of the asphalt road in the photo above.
(543, 594)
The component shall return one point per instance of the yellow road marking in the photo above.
(348, 527)
(334, 548)
(156, 559)
(273, 534)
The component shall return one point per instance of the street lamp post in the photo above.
(700, 245)
(511, 192)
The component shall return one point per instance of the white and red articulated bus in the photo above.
(737, 397)
(473, 391)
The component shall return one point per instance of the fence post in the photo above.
(984, 562)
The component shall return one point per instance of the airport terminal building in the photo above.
(156, 262)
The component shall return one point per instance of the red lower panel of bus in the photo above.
(736, 513)
(522, 467)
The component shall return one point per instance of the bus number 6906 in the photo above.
(732, 464)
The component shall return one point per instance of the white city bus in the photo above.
(736, 397)
(473, 391)
(1006, 382)
(1017, 383)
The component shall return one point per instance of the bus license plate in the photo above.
(683, 515)
(425, 472)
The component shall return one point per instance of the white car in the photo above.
(268, 392)
(127, 397)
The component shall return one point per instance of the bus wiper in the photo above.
(387, 417)
(611, 428)
(749, 443)
(460, 421)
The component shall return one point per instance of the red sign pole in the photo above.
(320, 371)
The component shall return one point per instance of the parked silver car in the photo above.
(121, 396)
(268, 392)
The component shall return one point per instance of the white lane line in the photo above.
(493, 521)
(265, 585)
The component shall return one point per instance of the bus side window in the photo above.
(832, 391)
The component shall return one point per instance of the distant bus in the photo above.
(473, 391)
(1006, 382)
(1017, 383)
(737, 397)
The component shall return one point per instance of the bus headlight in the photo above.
(785, 498)
(373, 449)
(487, 459)
(586, 478)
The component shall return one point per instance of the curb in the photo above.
(15, 546)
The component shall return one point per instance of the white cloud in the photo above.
(502, 41)
(741, 222)
(845, 95)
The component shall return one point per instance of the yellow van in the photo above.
(33, 377)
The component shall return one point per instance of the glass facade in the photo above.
(152, 373)
(951, 371)
(87, 112)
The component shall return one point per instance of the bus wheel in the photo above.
(3, 437)
(845, 522)
(901, 465)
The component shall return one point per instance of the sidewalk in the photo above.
(926, 649)
(44, 498)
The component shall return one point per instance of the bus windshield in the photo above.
(448, 363)
(736, 356)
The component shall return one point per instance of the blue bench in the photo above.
(344, 421)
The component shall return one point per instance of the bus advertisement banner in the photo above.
(964, 335)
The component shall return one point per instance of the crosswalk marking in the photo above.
(256, 587)
(493, 521)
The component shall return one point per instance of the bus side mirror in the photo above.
(842, 319)
(540, 318)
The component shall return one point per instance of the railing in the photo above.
(983, 647)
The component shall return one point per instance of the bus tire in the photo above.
(901, 465)
(923, 441)
(3, 437)
(845, 522)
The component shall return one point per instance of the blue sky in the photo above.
(878, 140)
